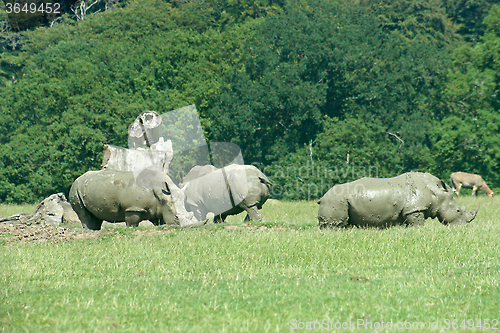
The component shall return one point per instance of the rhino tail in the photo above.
(79, 206)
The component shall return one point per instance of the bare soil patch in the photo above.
(22, 233)
(18, 233)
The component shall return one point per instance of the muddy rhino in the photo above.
(408, 199)
(114, 196)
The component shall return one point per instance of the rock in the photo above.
(273, 201)
(53, 210)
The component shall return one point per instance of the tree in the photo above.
(467, 138)
(469, 15)
(423, 19)
(326, 58)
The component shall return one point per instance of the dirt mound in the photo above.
(22, 233)
(15, 233)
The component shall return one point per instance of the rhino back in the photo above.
(198, 171)
(427, 190)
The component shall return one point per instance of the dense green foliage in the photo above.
(346, 88)
(467, 137)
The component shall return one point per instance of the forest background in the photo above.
(315, 92)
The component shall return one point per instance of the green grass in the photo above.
(213, 279)
(8, 210)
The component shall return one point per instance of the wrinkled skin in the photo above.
(207, 190)
(408, 199)
(469, 180)
(114, 196)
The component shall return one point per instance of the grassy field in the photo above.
(8, 210)
(281, 275)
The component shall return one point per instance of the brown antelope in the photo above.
(469, 180)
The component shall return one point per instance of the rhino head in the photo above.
(447, 210)
(451, 213)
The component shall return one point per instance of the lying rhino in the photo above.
(469, 180)
(408, 199)
(114, 196)
(227, 191)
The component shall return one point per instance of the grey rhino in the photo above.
(469, 180)
(114, 196)
(408, 199)
(227, 191)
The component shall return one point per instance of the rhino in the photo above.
(227, 191)
(114, 196)
(469, 180)
(408, 199)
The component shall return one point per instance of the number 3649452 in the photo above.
(16, 8)
(486, 324)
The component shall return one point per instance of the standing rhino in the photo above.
(407, 199)
(114, 196)
(227, 191)
(469, 180)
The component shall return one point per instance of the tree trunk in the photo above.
(145, 130)
(157, 158)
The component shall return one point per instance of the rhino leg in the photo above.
(88, 220)
(132, 218)
(221, 218)
(415, 219)
(325, 222)
(333, 215)
(252, 214)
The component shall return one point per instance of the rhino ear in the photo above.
(162, 195)
(441, 186)
(444, 186)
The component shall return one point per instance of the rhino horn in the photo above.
(185, 187)
(473, 214)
